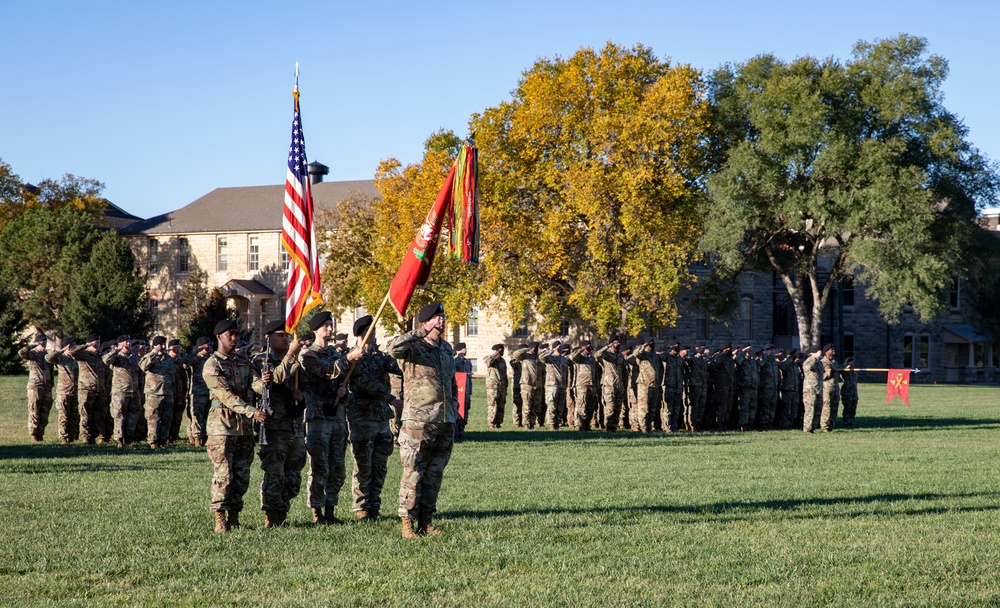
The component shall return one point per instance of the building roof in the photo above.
(244, 209)
(964, 333)
(247, 288)
(117, 218)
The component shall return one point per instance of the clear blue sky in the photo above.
(165, 101)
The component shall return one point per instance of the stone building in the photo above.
(233, 235)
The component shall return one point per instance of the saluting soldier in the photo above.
(672, 411)
(89, 387)
(282, 443)
(745, 388)
(429, 411)
(722, 374)
(496, 386)
(326, 423)
(39, 386)
(125, 406)
(531, 390)
(66, 403)
(649, 385)
(462, 364)
(585, 368)
(612, 381)
(831, 389)
(369, 408)
(696, 377)
(159, 389)
(515, 391)
(229, 376)
(556, 379)
(767, 392)
(849, 391)
(812, 391)
(788, 385)
(195, 363)
(181, 389)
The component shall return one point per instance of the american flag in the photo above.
(298, 236)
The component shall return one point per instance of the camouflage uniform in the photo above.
(746, 374)
(722, 376)
(282, 448)
(612, 386)
(531, 390)
(182, 387)
(496, 389)
(396, 388)
(812, 387)
(39, 390)
(767, 391)
(831, 394)
(556, 378)
(673, 393)
(584, 388)
(464, 365)
(849, 396)
(368, 414)
(159, 391)
(790, 397)
(199, 397)
(429, 412)
(229, 428)
(326, 426)
(106, 426)
(649, 388)
(632, 392)
(696, 377)
(515, 391)
(89, 389)
(69, 414)
(125, 406)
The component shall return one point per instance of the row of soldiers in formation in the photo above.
(646, 389)
(307, 400)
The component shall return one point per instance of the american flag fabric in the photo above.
(298, 236)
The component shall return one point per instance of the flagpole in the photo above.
(368, 334)
(914, 370)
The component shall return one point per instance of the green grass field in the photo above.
(900, 511)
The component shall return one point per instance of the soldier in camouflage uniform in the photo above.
(649, 384)
(672, 409)
(198, 413)
(39, 386)
(612, 381)
(229, 377)
(182, 387)
(159, 388)
(849, 391)
(831, 389)
(69, 369)
(429, 412)
(696, 379)
(532, 393)
(585, 384)
(326, 423)
(369, 408)
(767, 389)
(496, 386)
(790, 398)
(631, 378)
(812, 391)
(463, 365)
(282, 440)
(125, 407)
(556, 378)
(722, 377)
(746, 390)
(515, 391)
(89, 387)
(396, 388)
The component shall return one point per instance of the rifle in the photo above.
(265, 393)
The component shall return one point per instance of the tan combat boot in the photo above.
(363, 515)
(330, 517)
(424, 526)
(318, 516)
(221, 523)
(408, 531)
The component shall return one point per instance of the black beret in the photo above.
(564, 348)
(174, 342)
(460, 345)
(497, 347)
(159, 340)
(94, 338)
(123, 338)
(828, 347)
(339, 337)
(674, 343)
(106, 345)
(202, 341)
(556, 343)
(849, 361)
(320, 319)
(768, 346)
(792, 351)
(585, 343)
(225, 325)
(68, 340)
(428, 312)
(362, 324)
(533, 345)
(543, 345)
(700, 345)
(40, 336)
(615, 338)
(274, 326)
(747, 344)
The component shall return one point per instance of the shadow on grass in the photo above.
(751, 510)
(78, 450)
(922, 423)
(571, 434)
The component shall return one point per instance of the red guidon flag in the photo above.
(898, 384)
(415, 268)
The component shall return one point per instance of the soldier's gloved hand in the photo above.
(266, 376)
(354, 354)
(260, 416)
(297, 394)
(341, 392)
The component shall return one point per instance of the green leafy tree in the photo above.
(70, 191)
(590, 188)
(12, 326)
(827, 169)
(109, 294)
(201, 310)
(42, 251)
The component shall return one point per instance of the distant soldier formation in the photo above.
(308, 400)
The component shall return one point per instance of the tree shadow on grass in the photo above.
(922, 423)
(571, 434)
(79, 450)
(728, 511)
(57, 465)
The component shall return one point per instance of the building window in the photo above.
(521, 331)
(285, 258)
(848, 346)
(472, 325)
(564, 327)
(154, 312)
(474, 364)
(746, 317)
(222, 254)
(183, 255)
(908, 350)
(281, 306)
(953, 300)
(847, 291)
(923, 353)
(154, 256)
(701, 326)
(254, 252)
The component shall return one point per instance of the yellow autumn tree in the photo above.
(590, 187)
